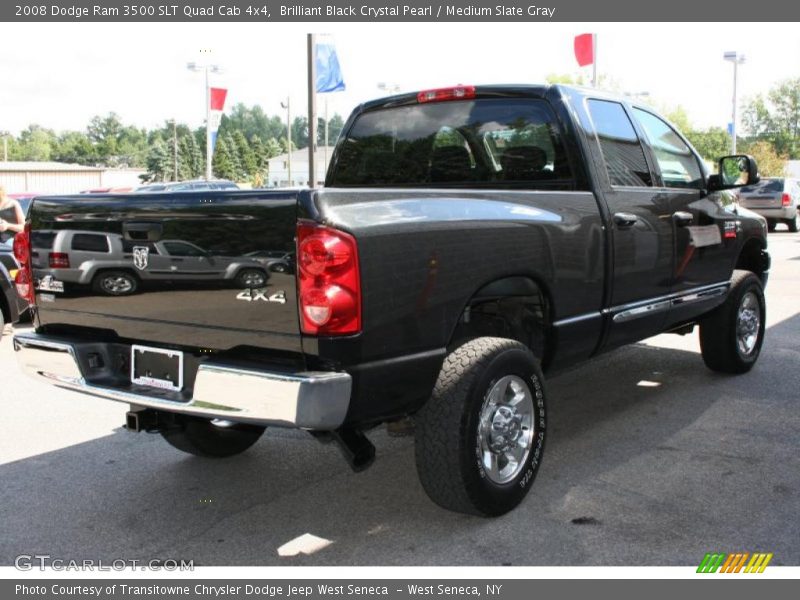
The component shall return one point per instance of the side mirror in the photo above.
(734, 171)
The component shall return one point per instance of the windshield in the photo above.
(477, 143)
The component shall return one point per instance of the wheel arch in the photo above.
(515, 306)
(752, 257)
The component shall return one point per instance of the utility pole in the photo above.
(214, 69)
(736, 59)
(175, 148)
(312, 109)
(288, 107)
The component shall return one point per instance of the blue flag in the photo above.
(329, 73)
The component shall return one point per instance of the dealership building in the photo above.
(63, 178)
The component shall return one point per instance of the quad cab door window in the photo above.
(697, 217)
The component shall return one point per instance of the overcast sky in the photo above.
(59, 75)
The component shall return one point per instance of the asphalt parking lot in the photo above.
(651, 460)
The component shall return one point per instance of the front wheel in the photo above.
(211, 438)
(479, 439)
(732, 335)
(115, 283)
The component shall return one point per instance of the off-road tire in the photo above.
(447, 445)
(718, 331)
(201, 437)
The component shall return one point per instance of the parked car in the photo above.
(116, 264)
(775, 198)
(188, 186)
(467, 241)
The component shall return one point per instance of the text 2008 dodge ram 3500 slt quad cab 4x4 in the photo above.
(468, 239)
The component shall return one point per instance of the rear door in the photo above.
(640, 228)
(204, 306)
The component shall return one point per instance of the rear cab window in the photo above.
(490, 143)
(621, 147)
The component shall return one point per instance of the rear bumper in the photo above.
(778, 212)
(306, 400)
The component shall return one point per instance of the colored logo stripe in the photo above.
(735, 562)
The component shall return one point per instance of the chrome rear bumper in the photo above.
(307, 400)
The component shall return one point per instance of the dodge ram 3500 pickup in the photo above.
(467, 240)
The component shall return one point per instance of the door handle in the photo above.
(682, 218)
(625, 220)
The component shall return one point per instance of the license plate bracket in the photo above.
(157, 367)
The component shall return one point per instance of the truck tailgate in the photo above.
(207, 269)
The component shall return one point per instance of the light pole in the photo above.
(288, 107)
(737, 59)
(5, 135)
(206, 68)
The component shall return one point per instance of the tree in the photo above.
(74, 147)
(191, 163)
(770, 163)
(246, 155)
(776, 118)
(300, 132)
(712, 143)
(224, 167)
(36, 143)
(159, 161)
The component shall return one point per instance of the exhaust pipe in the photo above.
(357, 450)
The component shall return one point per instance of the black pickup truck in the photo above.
(467, 240)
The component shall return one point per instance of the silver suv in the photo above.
(115, 266)
(775, 198)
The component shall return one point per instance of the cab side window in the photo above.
(621, 148)
(676, 161)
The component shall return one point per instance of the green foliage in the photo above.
(775, 118)
(770, 163)
(223, 164)
(712, 143)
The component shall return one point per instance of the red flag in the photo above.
(217, 98)
(584, 49)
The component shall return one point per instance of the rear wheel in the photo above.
(794, 224)
(771, 225)
(115, 283)
(479, 439)
(251, 278)
(732, 335)
(211, 438)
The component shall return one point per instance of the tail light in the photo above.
(328, 281)
(461, 92)
(786, 200)
(23, 280)
(58, 260)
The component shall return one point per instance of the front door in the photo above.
(641, 231)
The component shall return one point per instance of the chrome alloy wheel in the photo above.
(505, 429)
(748, 324)
(253, 279)
(117, 284)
